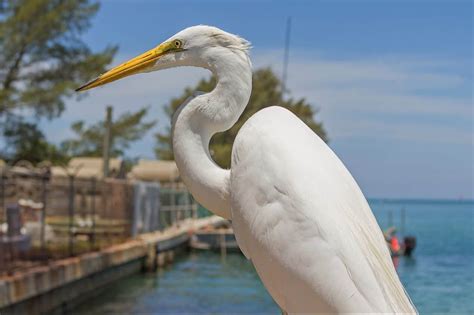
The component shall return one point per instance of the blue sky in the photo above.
(392, 79)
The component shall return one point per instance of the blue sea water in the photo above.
(439, 277)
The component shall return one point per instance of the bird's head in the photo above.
(194, 46)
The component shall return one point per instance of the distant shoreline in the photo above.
(420, 200)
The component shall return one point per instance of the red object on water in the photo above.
(394, 244)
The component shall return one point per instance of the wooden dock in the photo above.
(216, 238)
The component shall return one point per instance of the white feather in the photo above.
(296, 208)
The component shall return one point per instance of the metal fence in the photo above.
(44, 217)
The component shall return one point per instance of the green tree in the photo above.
(42, 60)
(42, 56)
(266, 91)
(128, 128)
(26, 142)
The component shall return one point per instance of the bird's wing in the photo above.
(301, 218)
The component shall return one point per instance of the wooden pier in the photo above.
(216, 238)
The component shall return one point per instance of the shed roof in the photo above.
(155, 170)
(86, 167)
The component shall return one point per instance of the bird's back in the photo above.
(301, 218)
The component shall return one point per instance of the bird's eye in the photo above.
(178, 44)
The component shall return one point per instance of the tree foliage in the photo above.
(128, 128)
(26, 142)
(43, 58)
(266, 92)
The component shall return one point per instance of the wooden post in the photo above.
(71, 215)
(44, 181)
(223, 243)
(151, 258)
(14, 227)
(402, 221)
(93, 190)
(286, 56)
(2, 193)
(173, 204)
(390, 218)
(13, 220)
(107, 141)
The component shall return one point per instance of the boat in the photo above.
(396, 248)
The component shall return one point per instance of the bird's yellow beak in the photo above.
(130, 67)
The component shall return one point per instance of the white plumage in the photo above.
(313, 240)
(297, 212)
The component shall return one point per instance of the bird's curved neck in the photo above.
(196, 121)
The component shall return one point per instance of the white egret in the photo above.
(297, 213)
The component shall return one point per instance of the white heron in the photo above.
(297, 212)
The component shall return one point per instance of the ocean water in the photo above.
(439, 277)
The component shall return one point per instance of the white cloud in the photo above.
(407, 131)
(383, 96)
